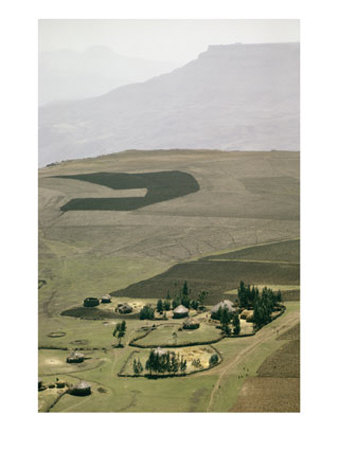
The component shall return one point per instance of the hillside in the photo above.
(212, 218)
(242, 97)
(244, 199)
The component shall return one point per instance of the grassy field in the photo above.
(276, 388)
(91, 253)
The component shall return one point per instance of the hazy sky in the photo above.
(162, 40)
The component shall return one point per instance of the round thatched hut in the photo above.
(75, 357)
(191, 324)
(124, 308)
(180, 311)
(106, 298)
(90, 302)
(81, 389)
(215, 310)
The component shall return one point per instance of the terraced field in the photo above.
(220, 273)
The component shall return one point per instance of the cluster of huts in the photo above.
(122, 308)
(81, 389)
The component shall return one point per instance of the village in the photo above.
(178, 333)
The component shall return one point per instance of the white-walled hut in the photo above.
(106, 298)
(81, 389)
(75, 357)
(180, 312)
(228, 304)
(191, 324)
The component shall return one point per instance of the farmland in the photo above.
(226, 231)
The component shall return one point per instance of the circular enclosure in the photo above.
(56, 334)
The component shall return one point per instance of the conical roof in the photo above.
(223, 304)
(180, 309)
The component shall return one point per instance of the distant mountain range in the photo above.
(238, 97)
(72, 75)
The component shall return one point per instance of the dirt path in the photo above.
(262, 336)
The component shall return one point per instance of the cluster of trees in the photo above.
(168, 362)
(147, 313)
(263, 307)
(248, 295)
(137, 366)
(120, 331)
(262, 303)
(183, 297)
(226, 318)
(163, 306)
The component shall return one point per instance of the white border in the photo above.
(315, 426)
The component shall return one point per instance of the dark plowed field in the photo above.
(161, 186)
(213, 276)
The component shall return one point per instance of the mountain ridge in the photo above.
(233, 97)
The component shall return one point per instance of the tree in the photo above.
(137, 367)
(224, 316)
(176, 302)
(213, 360)
(185, 289)
(194, 304)
(166, 305)
(236, 324)
(202, 297)
(147, 313)
(168, 297)
(120, 331)
(159, 307)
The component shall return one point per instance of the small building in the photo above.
(90, 302)
(81, 389)
(191, 324)
(215, 310)
(160, 351)
(124, 308)
(106, 298)
(75, 357)
(180, 312)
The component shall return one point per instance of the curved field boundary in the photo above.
(161, 186)
(133, 343)
(171, 375)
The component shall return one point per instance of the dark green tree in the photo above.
(166, 305)
(159, 307)
(236, 324)
(202, 296)
(120, 331)
(213, 359)
(147, 313)
(176, 302)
